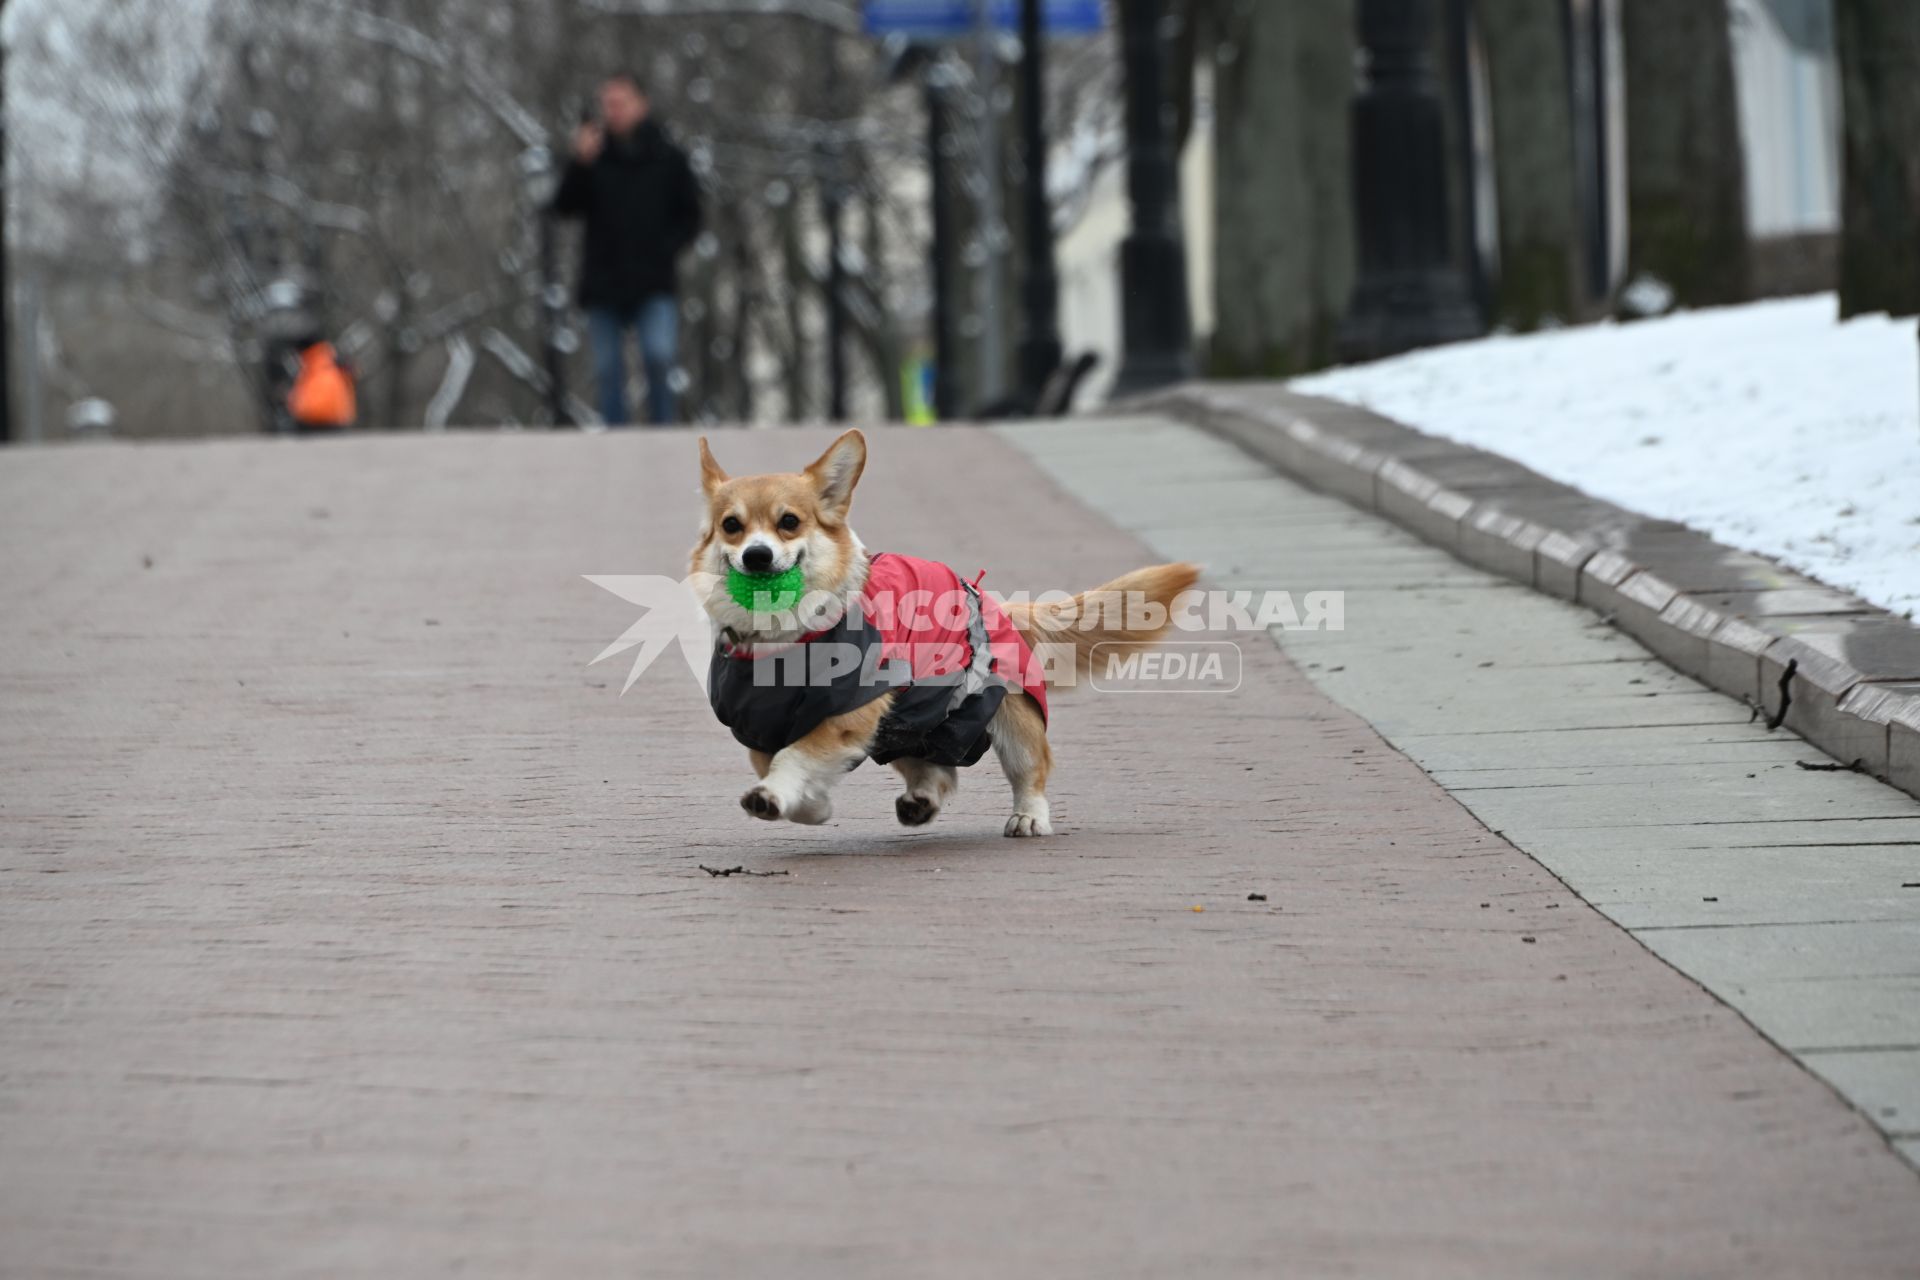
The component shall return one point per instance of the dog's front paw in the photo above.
(915, 811)
(1021, 825)
(762, 803)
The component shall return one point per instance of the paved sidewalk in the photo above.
(1787, 892)
(354, 926)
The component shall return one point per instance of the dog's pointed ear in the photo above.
(836, 472)
(712, 476)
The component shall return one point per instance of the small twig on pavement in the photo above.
(1779, 718)
(1858, 766)
(740, 871)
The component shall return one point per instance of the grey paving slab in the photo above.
(1626, 799)
(1600, 748)
(1308, 543)
(1767, 760)
(1428, 706)
(1644, 791)
(1722, 799)
(1780, 952)
(1259, 557)
(1883, 1082)
(1380, 572)
(1851, 1012)
(1891, 832)
(1716, 887)
(1489, 678)
(353, 926)
(1254, 509)
(1524, 647)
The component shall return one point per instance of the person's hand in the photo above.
(588, 141)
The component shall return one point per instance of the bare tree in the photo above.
(1532, 101)
(386, 154)
(1686, 171)
(1284, 247)
(382, 162)
(1879, 43)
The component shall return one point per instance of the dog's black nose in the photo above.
(757, 558)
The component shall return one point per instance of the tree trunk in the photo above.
(1284, 250)
(1879, 42)
(6, 289)
(883, 341)
(1686, 172)
(1527, 73)
(745, 298)
(798, 284)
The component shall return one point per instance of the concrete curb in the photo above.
(1736, 621)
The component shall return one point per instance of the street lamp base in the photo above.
(1406, 311)
(1040, 359)
(1159, 334)
(1142, 375)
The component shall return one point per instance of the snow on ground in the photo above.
(1771, 427)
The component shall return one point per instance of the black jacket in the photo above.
(641, 205)
(773, 701)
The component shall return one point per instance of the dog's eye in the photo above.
(731, 525)
(789, 522)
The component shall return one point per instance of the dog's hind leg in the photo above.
(797, 780)
(1020, 741)
(928, 787)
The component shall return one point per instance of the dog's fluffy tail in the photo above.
(1127, 615)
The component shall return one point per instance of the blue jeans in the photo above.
(657, 321)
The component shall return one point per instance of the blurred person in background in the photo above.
(323, 397)
(636, 193)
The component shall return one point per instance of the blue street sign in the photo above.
(948, 19)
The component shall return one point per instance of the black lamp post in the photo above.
(831, 172)
(1040, 349)
(1412, 292)
(1153, 260)
(924, 61)
(946, 342)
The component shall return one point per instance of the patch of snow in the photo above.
(1771, 427)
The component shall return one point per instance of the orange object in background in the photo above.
(323, 392)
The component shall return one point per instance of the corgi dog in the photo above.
(884, 657)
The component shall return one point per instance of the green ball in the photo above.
(767, 592)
